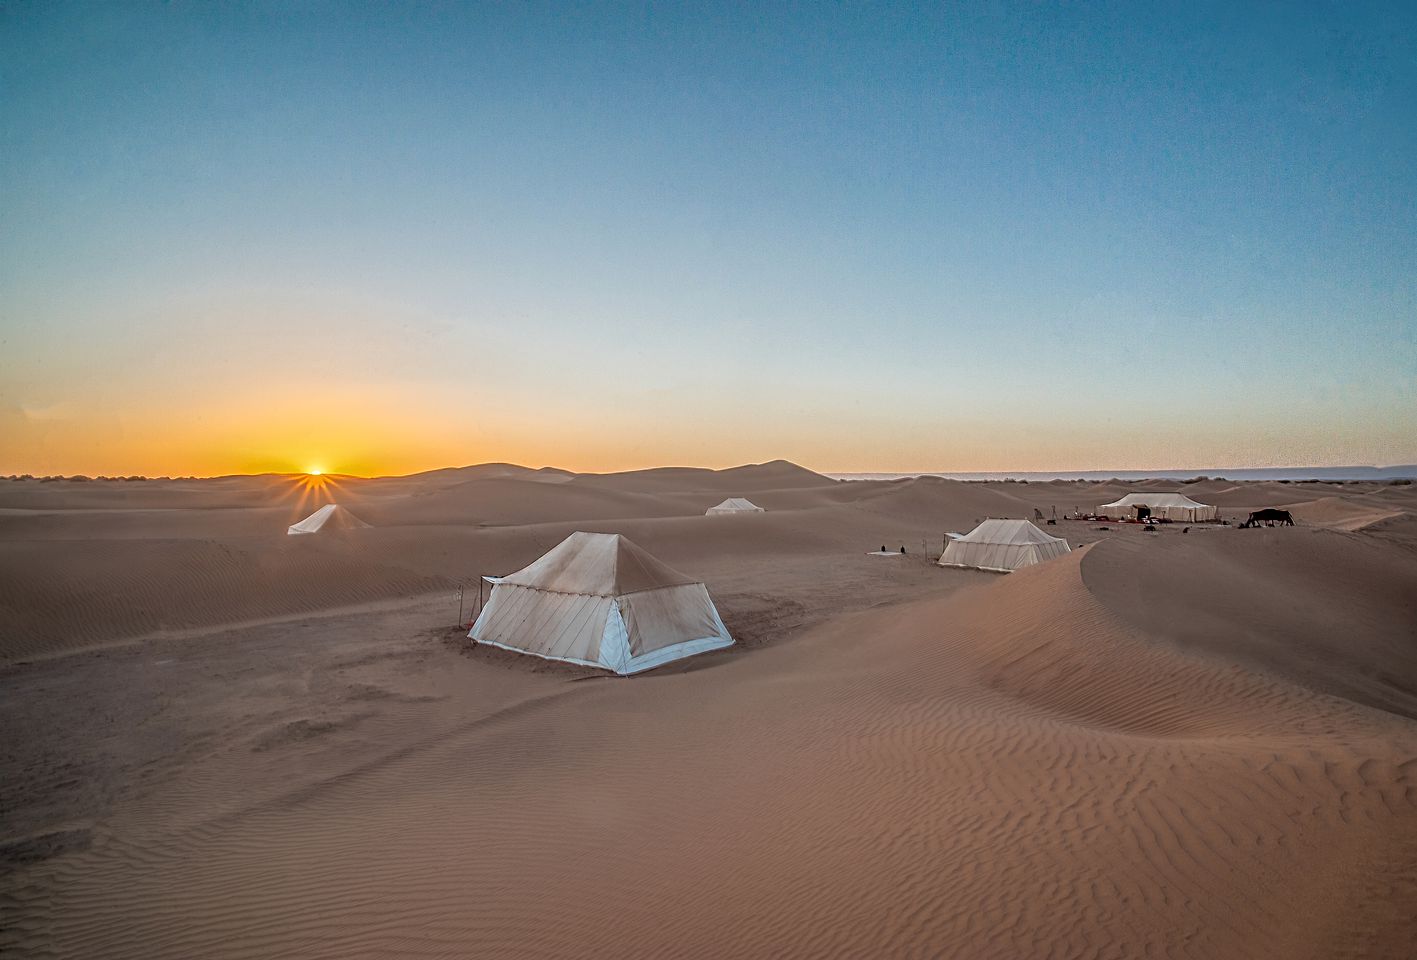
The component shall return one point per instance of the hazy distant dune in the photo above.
(452, 476)
(509, 500)
(775, 475)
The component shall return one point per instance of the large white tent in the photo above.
(734, 505)
(1002, 546)
(597, 599)
(329, 517)
(1163, 506)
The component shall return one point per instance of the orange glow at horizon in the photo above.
(312, 436)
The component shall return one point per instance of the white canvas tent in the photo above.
(1002, 546)
(1164, 506)
(329, 517)
(597, 599)
(734, 505)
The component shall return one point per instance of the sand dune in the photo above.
(479, 471)
(1189, 745)
(505, 501)
(776, 475)
(1252, 496)
(1340, 514)
(1288, 601)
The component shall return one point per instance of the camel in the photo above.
(1269, 517)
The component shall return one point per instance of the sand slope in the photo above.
(1009, 772)
(1339, 514)
(58, 596)
(1334, 611)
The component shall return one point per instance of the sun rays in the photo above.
(313, 489)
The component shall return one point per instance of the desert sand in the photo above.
(223, 741)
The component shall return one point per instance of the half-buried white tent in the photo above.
(1002, 546)
(734, 505)
(597, 599)
(329, 517)
(1163, 506)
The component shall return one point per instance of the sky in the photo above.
(381, 238)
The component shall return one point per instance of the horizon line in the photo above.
(1212, 472)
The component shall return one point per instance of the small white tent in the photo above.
(734, 505)
(597, 599)
(329, 517)
(1002, 546)
(1164, 506)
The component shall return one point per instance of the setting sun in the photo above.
(314, 471)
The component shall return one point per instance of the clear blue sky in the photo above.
(386, 237)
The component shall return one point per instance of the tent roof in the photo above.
(737, 503)
(1007, 531)
(1155, 501)
(331, 515)
(599, 564)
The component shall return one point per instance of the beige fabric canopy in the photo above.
(1002, 546)
(734, 505)
(329, 517)
(598, 599)
(1164, 506)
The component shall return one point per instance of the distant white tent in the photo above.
(597, 599)
(1002, 546)
(1164, 506)
(329, 517)
(734, 505)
